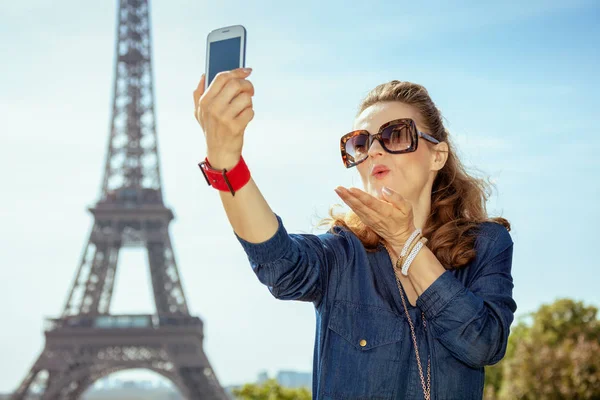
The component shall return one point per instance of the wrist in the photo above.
(396, 249)
(223, 161)
(398, 243)
(224, 179)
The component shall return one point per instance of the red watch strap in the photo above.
(223, 180)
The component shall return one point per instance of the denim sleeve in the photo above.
(299, 266)
(474, 323)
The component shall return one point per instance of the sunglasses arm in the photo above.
(428, 137)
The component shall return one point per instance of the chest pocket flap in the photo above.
(365, 327)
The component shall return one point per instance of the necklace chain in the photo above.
(426, 389)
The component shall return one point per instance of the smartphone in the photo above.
(225, 50)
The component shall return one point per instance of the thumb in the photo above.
(395, 198)
(199, 91)
(390, 193)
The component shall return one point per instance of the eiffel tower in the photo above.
(87, 342)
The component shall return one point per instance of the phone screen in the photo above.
(224, 56)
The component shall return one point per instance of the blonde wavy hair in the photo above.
(458, 200)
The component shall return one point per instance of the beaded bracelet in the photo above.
(409, 242)
(411, 247)
(415, 250)
(408, 246)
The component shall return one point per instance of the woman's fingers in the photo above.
(370, 202)
(232, 90)
(244, 118)
(224, 110)
(396, 199)
(359, 206)
(216, 101)
(199, 89)
(383, 216)
(237, 105)
(220, 81)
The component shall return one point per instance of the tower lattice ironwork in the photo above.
(87, 342)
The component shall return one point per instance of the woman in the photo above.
(412, 288)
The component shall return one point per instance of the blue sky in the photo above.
(516, 82)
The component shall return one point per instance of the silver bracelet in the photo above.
(411, 257)
(409, 241)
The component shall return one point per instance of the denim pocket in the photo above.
(362, 352)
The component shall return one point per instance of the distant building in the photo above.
(229, 390)
(133, 393)
(262, 377)
(109, 389)
(295, 379)
(287, 378)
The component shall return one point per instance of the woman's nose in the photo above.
(375, 149)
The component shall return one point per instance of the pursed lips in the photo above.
(379, 171)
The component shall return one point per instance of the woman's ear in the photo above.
(439, 156)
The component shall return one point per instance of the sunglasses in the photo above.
(396, 137)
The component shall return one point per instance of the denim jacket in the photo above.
(363, 345)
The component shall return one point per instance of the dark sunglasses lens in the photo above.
(397, 137)
(357, 147)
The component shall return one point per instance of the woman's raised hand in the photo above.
(223, 111)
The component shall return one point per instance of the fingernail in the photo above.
(246, 70)
(386, 191)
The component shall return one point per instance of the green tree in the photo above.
(494, 374)
(553, 353)
(270, 390)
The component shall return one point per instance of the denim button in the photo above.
(363, 343)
